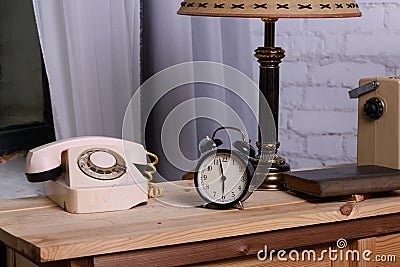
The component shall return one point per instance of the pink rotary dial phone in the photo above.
(90, 174)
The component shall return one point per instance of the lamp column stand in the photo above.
(269, 58)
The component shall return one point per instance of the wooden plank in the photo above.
(21, 204)
(140, 216)
(388, 247)
(44, 218)
(290, 261)
(22, 261)
(158, 224)
(341, 261)
(250, 244)
(361, 246)
(253, 262)
(382, 246)
(10, 258)
(86, 262)
(3, 251)
(170, 232)
(148, 236)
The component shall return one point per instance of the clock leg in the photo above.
(239, 205)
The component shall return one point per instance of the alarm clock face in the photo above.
(222, 178)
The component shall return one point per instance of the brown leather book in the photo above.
(339, 181)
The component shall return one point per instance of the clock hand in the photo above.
(220, 167)
(223, 184)
(223, 178)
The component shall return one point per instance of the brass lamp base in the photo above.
(271, 167)
(275, 179)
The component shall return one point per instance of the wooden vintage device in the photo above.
(378, 121)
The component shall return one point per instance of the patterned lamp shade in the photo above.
(271, 8)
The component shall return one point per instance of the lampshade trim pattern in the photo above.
(272, 9)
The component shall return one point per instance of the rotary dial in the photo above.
(102, 164)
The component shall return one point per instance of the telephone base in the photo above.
(91, 200)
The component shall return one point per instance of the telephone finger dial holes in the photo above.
(102, 164)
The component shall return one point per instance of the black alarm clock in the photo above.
(223, 176)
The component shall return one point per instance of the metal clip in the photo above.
(366, 88)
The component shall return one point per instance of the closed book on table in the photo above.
(340, 181)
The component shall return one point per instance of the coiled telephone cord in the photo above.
(155, 190)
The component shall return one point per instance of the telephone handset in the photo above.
(44, 163)
(90, 174)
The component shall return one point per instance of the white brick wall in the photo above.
(325, 58)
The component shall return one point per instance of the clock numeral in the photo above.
(223, 197)
(240, 188)
(233, 162)
(214, 193)
(233, 194)
(207, 186)
(216, 161)
(243, 179)
(225, 159)
(209, 168)
(204, 177)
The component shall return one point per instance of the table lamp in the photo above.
(270, 56)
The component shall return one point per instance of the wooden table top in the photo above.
(41, 230)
